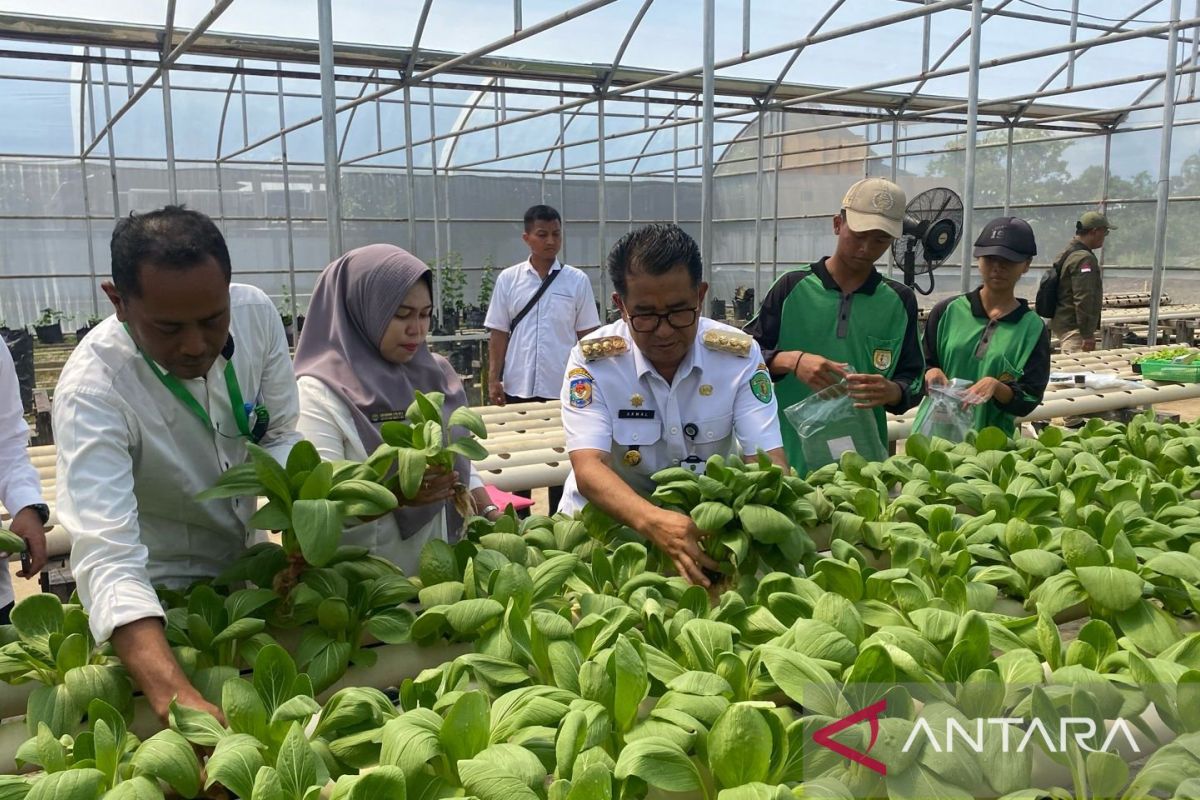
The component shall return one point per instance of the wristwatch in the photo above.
(43, 511)
(488, 509)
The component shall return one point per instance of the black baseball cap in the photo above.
(1010, 238)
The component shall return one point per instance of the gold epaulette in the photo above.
(603, 347)
(728, 342)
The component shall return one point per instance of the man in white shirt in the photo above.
(20, 489)
(539, 309)
(661, 387)
(151, 408)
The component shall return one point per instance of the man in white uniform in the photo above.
(20, 489)
(151, 408)
(661, 387)
(539, 309)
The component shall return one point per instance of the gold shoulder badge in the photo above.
(603, 347)
(728, 342)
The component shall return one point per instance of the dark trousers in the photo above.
(5, 612)
(556, 492)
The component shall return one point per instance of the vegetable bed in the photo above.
(939, 583)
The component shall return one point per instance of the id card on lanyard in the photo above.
(241, 410)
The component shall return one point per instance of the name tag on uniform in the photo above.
(636, 413)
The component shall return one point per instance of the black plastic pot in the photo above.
(49, 334)
(82, 332)
(20, 344)
(448, 323)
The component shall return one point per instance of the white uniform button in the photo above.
(674, 430)
(710, 434)
(635, 437)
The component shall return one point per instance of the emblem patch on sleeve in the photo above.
(881, 358)
(581, 391)
(760, 385)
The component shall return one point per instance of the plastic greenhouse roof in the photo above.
(869, 58)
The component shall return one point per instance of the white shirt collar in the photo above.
(694, 360)
(557, 265)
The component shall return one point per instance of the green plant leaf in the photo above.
(244, 709)
(465, 730)
(469, 448)
(168, 757)
(299, 708)
(274, 676)
(469, 616)
(712, 516)
(765, 524)
(490, 782)
(297, 763)
(740, 746)
(1111, 587)
(303, 457)
(53, 706)
(383, 783)
(1107, 774)
(268, 786)
(318, 483)
(198, 727)
(235, 763)
(318, 528)
(138, 788)
(410, 470)
(660, 763)
(392, 626)
(1039, 563)
(630, 680)
(470, 419)
(71, 784)
(237, 481)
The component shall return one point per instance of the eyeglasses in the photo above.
(648, 323)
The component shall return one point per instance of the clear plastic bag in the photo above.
(828, 425)
(946, 416)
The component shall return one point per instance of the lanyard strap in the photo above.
(175, 387)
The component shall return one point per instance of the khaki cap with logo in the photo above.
(1094, 219)
(875, 204)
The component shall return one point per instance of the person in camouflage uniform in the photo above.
(1081, 286)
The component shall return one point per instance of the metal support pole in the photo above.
(333, 194)
(745, 27)
(517, 16)
(1195, 56)
(706, 150)
(1107, 172)
(972, 129)
(409, 178)
(168, 117)
(775, 210)
(433, 183)
(1164, 177)
(287, 189)
(891, 267)
(108, 133)
(602, 214)
(927, 31)
(245, 113)
(758, 209)
(675, 167)
(85, 78)
(1071, 55)
(1008, 169)
(562, 173)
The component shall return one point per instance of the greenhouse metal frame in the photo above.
(729, 157)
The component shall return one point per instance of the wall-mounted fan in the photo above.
(932, 227)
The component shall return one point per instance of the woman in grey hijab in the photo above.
(360, 358)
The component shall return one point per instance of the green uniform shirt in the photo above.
(963, 342)
(1080, 292)
(874, 329)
